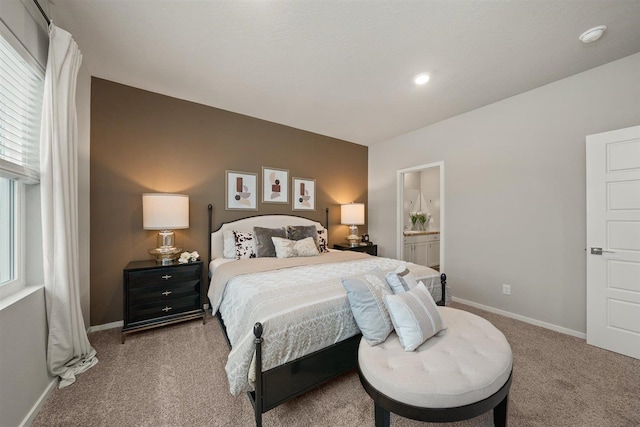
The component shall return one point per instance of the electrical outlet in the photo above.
(506, 289)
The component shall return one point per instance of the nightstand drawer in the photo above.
(164, 276)
(154, 310)
(164, 291)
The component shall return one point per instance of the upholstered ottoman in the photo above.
(459, 374)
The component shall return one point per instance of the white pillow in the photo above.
(286, 248)
(401, 280)
(415, 316)
(366, 293)
(228, 245)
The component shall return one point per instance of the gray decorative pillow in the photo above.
(415, 316)
(299, 232)
(366, 293)
(401, 280)
(264, 244)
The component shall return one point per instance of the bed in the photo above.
(287, 321)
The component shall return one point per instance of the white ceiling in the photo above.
(345, 68)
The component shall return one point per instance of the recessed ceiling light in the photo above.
(593, 34)
(421, 79)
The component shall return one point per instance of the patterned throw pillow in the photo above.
(286, 248)
(263, 242)
(366, 293)
(401, 280)
(415, 316)
(245, 247)
(323, 241)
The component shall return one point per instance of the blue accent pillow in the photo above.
(366, 293)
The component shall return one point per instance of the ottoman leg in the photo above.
(383, 417)
(500, 413)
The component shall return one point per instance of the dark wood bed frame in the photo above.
(282, 383)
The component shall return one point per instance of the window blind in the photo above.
(21, 89)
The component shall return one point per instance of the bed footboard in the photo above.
(443, 283)
(282, 383)
(258, 395)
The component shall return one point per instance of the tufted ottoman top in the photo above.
(466, 363)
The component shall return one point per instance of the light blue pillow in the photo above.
(366, 293)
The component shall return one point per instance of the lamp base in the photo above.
(353, 240)
(353, 237)
(165, 255)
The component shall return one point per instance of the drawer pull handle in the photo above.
(165, 293)
(166, 277)
(166, 309)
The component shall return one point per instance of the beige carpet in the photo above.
(174, 376)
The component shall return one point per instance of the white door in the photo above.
(613, 225)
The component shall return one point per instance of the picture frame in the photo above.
(241, 191)
(303, 194)
(275, 185)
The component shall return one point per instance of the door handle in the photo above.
(599, 251)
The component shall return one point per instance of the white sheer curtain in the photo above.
(68, 352)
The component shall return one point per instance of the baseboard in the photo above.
(525, 319)
(105, 326)
(38, 405)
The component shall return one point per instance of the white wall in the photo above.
(514, 190)
(24, 380)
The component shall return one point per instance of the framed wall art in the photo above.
(303, 194)
(241, 191)
(275, 185)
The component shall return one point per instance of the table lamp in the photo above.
(352, 215)
(165, 212)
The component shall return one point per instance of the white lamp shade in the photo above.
(163, 211)
(352, 214)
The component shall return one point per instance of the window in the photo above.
(21, 89)
(7, 231)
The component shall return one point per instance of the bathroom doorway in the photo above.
(420, 215)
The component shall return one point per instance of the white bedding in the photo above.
(219, 261)
(216, 263)
(302, 309)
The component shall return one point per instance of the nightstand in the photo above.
(369, 249)
(157, 295)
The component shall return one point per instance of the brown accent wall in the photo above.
(146, 142)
